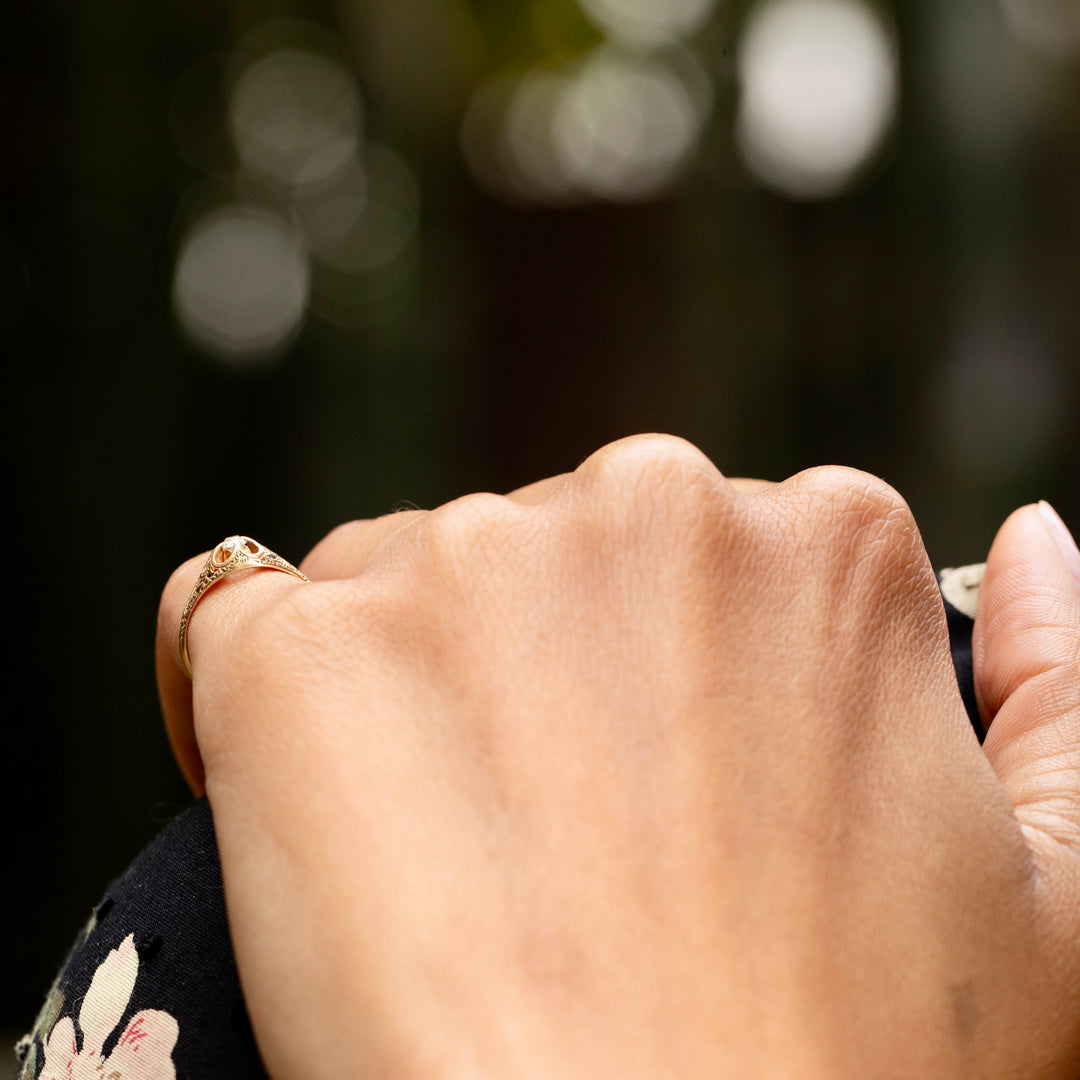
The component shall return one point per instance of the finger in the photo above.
(535, 493)
(347, 550)
(532, 494)
(1026, 653)
(174, 687)
(219, 614)
(749, 485)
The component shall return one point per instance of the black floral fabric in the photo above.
(156, 947)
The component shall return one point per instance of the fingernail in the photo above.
(1062, 537)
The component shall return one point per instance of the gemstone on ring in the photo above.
(233, 553)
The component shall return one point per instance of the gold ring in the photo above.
(233, 553)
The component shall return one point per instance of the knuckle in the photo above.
(465, 529)
(646, 455)
(654, 473)
(344, 532)
(322, 558)
(347, 548)
(860, 515)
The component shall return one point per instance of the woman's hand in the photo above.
(636, 773)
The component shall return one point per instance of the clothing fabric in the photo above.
(150, 990)
(154, 962)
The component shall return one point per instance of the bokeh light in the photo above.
(1049, 26)
(818, 82)
(528, 150)
(360, 237)
(1001, 404)
(980, 103)
(389, 219)
(295, 116)
(619, 125)
(648, 22)
(241, 283)
(339, 236)
(329, 209)
(508, 138)
(627, 124)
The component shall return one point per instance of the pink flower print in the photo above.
(144, 1049)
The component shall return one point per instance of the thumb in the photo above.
(1026, 655)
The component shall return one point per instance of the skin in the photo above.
(641, 772)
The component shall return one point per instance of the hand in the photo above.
(634, 773)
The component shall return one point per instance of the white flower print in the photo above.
(144, 1049)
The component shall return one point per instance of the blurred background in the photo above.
(266, 266)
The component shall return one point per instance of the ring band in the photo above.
(233, 553)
